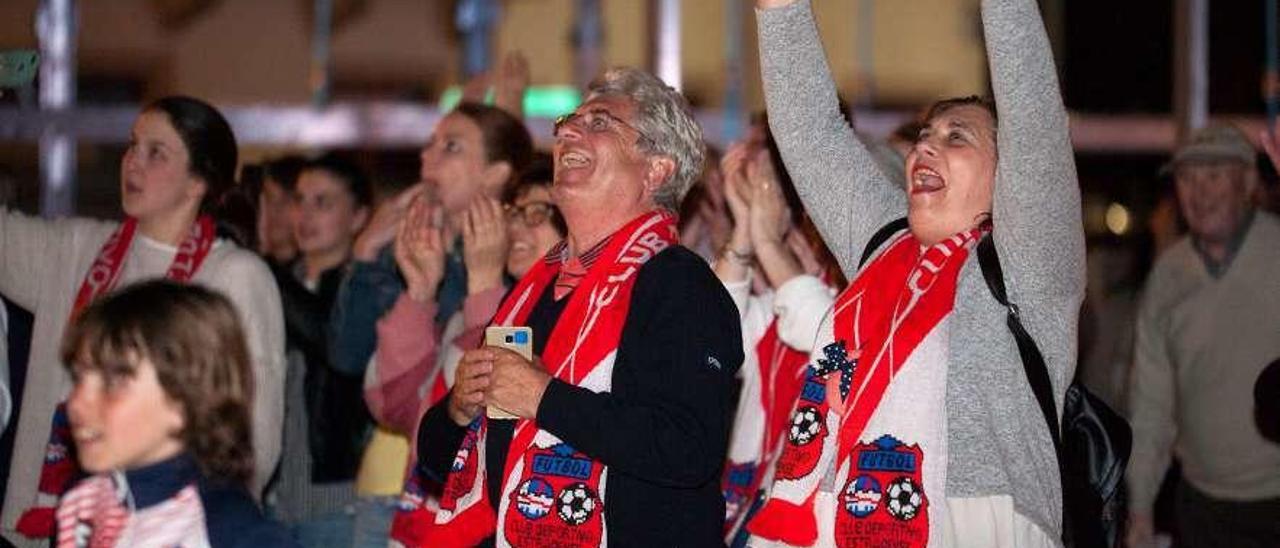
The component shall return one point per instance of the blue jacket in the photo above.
(368, 292)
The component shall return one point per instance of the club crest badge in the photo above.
(561, 481)
(807, 431)
(884, 501)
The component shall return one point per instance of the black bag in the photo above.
(1093, 442)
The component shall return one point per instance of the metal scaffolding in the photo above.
(56, 27)
(59, 124)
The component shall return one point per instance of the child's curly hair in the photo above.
(193, 338)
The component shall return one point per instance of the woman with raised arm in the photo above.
(180, 162)
(917, 425)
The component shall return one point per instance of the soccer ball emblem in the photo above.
(577, 503)
(905, 498)
(805, 426)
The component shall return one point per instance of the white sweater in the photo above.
(42, 265)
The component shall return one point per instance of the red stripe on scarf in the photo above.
(587, 331)
(898, 299)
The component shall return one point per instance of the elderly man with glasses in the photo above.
(622, 417)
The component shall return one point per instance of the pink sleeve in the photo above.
(477, 314)
(405, 359)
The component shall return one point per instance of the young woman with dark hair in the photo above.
(472, 154)
(326, 422)
(180, 162)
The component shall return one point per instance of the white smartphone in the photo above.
(515, 339)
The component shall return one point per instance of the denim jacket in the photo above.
(368, 292)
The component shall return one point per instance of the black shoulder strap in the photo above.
(880, 236)
(1032, 359)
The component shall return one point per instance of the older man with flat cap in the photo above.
(622, 418)
(1208, 324)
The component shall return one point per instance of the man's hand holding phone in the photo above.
(517, 384)
(466, 400)
(503, 377)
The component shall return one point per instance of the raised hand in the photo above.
(770, 222)
(475, 89)
(419, 250)
(770, 218)
(510, 83)
(484, 244)
(733, 169)
(382, 227)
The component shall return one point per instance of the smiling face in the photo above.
(951, 173)
(1214, 197)
(598, 159)
(530, 242)
(455, 164)
(155, 176)
(123, 421)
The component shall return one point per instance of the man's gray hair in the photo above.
(664, 117)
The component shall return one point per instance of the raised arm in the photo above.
(1036, 207)
(842, 188)
(31, 246)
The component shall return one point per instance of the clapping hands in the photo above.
(420, 249)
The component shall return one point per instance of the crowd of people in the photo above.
(791, 342)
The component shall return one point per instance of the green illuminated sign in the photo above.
(539, 101)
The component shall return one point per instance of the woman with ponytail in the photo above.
(180, 163)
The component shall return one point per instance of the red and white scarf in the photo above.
(99, 513)
(60, 469)
(878, 381)
(552, 494)
(780, 372)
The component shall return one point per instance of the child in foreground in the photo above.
(159, 413)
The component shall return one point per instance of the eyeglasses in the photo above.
(531, 214)
(596, 120)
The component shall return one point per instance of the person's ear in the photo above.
(360, 218)
(197, 189)
(495, 176)
(175, 418)
(658, 171)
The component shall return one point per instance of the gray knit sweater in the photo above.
(998, 443)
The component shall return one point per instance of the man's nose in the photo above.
(570, 130)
